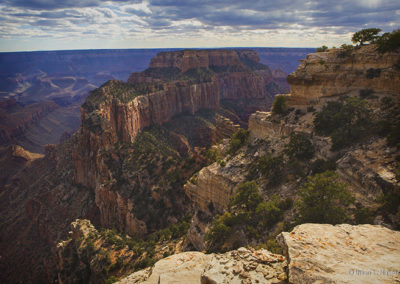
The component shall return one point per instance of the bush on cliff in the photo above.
(239, 138)
(300, 147)
(324, 200)
(271, 168)
(345, 122)
(322, 48)
(248, 213)
(279, 105)
(389, 41)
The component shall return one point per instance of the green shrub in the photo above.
(279, 105)
(322, 48)
(247, 212)
(143, 263)
(268, 212)
(111, 280)
(324, 200)
(247, 196)
(389, 41)
(273, 246)
(219, 230)
(239, 138)
(345, 122)
(320, 166)
(213, 155)
(363, 215)
(300, 147)
(271, 168)
(390, 202)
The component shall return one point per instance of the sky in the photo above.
(27, 25)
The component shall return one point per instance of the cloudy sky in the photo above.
(96, 24)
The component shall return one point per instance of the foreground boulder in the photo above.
(314, 253)
(238, 266)
(321, 253)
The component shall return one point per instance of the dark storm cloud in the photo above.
(344, 14)
(58, 4)
(180, 16)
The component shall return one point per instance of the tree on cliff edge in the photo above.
(324, 200)
(366, 35)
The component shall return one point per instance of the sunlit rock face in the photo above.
(337, 72)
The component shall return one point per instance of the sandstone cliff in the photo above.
(340, 72)
(175, 84)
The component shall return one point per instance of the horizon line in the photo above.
(155, 48)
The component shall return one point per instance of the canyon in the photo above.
(66, 77)
(159, 160)
(115, 165)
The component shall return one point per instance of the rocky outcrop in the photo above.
(338, 72)
(320, 253)
(37, 203)
(314, 253)
(235, 74)
(245, 266)
(176, 83)
(189, 59)
(239, 266)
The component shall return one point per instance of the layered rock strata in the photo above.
(176, 83)
(339, 72)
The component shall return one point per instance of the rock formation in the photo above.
(339, 72)
(239, 266)
(176, 83)
(314, 253)
(342, 254)
(368, 167)
(141, 141)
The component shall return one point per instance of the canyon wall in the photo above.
(339, 72)
(16, 120)
(368, 167)
(176, 83)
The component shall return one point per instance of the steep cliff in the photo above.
(344, 72)
(284, 148)
(176, 84)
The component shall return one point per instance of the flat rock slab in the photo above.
(238, 266)
(244, 266)
(321, 253)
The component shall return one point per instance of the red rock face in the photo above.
(189, 59)
(235, 75)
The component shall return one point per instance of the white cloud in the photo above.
(191, 23)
